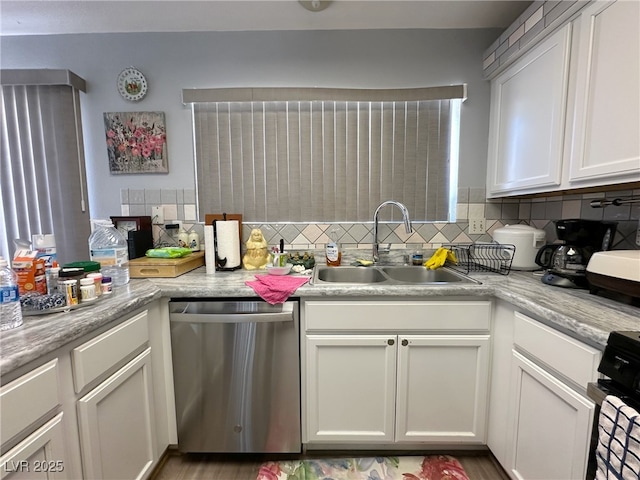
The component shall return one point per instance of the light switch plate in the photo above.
(477, 226)
(157, 215)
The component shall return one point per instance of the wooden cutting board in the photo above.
(147, 267)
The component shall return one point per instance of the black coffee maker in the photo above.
(566, 262)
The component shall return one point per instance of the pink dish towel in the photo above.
(276, 288)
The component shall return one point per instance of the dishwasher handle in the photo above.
(231, 317)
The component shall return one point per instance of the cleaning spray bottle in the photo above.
(333, 253)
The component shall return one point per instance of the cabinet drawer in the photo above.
(569, 357)
(398, 316)
(28, 398)
(106, 351)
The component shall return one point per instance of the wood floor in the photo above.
(481, 466)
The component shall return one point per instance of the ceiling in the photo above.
(42, 17)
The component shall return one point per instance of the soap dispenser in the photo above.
(333, 253)
(183, 238)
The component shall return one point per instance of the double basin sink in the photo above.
(388, 275)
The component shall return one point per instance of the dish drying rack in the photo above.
(482, 257)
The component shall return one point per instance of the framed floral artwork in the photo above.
(136, 142)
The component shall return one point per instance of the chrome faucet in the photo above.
(405, 219)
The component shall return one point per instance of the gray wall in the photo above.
(173, 61)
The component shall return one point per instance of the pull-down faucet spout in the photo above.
(405, 219)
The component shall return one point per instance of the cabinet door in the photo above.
(550, 425)
(117, 434)
(39, 456)
(606, 144)
(351, 384)
(442, 388)
(528, 110)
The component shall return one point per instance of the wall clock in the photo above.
(132, 84)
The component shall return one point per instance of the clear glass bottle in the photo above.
(333, 253)
(108, 247)
(10, 310)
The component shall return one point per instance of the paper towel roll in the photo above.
(209, 252)
(228, 240)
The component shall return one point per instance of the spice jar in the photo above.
(107, 286)
(71, 273)
(87, 290)
(70, 290)
(97, 280)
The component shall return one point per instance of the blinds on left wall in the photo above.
(42, 168)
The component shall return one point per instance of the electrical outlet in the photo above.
(157, 215)
(476, 226)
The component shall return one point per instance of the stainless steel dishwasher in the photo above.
(236, 368)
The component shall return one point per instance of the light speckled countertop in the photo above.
(43, 334)
(587, 317)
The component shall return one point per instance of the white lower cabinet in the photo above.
(31, 427)
(540, 418)
(116, 420)
(41, 455)
(351, 383)
(99, 409)
(442, 388)
(551, 425)
(418, 382)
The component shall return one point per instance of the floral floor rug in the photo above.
(432, 467)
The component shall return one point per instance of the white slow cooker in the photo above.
(527, 240)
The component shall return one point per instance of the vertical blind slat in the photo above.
(323, 161)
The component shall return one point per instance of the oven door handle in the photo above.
(231, 317)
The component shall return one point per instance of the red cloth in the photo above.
(276, 288)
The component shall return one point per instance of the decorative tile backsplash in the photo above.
(180, 205)
(539, 18)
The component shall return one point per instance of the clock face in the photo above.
(132, 84)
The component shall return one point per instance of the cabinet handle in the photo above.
(405, 342)
(391, 341)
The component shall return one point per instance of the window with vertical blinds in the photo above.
(42, 173)
(326, 160)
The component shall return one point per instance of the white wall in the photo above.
(173, 61)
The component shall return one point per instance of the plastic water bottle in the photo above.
(10, 311)
(108, 247)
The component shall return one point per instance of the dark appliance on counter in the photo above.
(621, 364)
(616, 275)
(137, 230)
(566, 262)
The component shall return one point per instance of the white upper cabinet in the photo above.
(528, 107)
(567, 113)
(606, 133)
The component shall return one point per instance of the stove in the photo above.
(620, 363)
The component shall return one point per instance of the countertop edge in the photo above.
(44, 336)
(586, 317)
